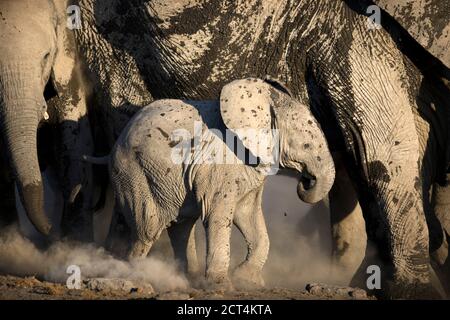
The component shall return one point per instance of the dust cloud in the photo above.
(300, 239)
(300, 248)
(19, 256)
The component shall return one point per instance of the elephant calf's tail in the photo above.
(96, 160)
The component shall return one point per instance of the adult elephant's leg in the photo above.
(8, 214)
(441, 202)
(249, 219)
(378, 111)
(119, 234)
(395, 184)
(440, 256)
(441, 264)
(78, 177)
(75, 133)
(393, 177)
(182, 238)
(348, 230)
(103, 216)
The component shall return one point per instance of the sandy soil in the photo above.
(30, 288)
(299, 254)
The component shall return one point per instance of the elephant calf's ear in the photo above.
(245, 106)
(277, 84)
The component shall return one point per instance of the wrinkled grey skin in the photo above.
(426, 22)
(137, 50)
(365, 87)
(37, 50)
(153, 190)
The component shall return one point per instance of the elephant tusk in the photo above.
(46, 116)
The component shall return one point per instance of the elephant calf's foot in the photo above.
(139, 249)
(220, 283)
(248, 277)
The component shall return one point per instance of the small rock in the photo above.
(143, 289)
(173, 296)
(74, 292)
(318, 289)
(329, 290)
(358, 294)
(106, 284)
(215, 296)
(42, 290)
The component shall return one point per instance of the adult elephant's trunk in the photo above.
(316, 180)
(21, 110)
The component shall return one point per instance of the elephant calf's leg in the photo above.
(249, 219)
(135, 201)
(218, 233)
(144, 233)
(139, 249)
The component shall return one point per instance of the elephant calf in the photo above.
(173, 163)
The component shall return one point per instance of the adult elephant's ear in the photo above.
(245, 106)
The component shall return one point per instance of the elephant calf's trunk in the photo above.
(314, 186)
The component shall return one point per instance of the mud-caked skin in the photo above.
(372, 101)
(427, 21)
(356, 80)
(153, 189)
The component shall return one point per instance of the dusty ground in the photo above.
(30, 288)
(299, 254)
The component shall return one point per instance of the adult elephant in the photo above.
(426, 22)
(363, 84)
(39, 84)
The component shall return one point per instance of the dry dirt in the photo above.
(299, 254)
(30, 288)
